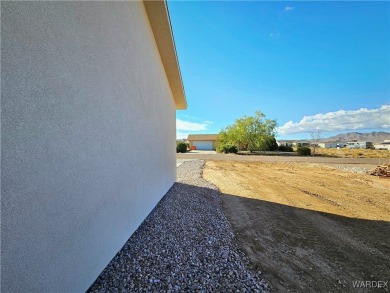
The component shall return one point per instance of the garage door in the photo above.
(203, 145)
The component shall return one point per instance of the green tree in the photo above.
(250, 133)
(181, 147)
(269, 144)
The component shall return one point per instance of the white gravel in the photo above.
(354, 169)
(186, 244)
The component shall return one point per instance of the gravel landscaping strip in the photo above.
(186, 244)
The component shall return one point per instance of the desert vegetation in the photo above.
(250, 133)
(353, 153)
(181, 147)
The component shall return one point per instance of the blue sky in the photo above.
(309, 65)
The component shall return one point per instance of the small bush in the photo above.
(181, 147)
(304, 151)
(231, 149)
(285, 148)
(227, 149)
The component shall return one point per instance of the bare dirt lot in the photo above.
(353, 153)
(307, 227)
(334, 161)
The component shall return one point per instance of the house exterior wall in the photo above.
(85, 102)
(285, 143)
(359, 144)
(302, 144)
(214, 143)
(382, 146)
(210, 138)
(328, 145)
(206, 145)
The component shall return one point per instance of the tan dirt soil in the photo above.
(353, 153)
(308, 227)
(361, 162)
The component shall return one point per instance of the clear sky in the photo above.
(309, 65)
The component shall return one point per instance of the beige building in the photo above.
(332, 144)
(383, 146)
(89, 89)
(203, 141)
(359, 144)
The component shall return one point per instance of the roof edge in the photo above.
(202, 137)
(158, 15)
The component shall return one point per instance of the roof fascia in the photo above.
(158, 15)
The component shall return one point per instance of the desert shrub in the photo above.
(304, 151)
(285, 148)
(268, 144)
(227, 148)
(181, 147)
(231, 149)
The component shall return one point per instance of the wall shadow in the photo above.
(309, 251)
(295, 249)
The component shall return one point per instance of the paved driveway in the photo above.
(200, 152)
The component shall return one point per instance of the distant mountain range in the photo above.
(374, 137)
(370, 136)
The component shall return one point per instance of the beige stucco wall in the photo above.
(87, 138)
(214, 142)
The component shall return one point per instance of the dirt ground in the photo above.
(353, 153)
(308, 227)
(363, 162)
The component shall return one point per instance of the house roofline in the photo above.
(158, 15)
(202, 137)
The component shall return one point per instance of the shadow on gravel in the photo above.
(186, 244)
(307, 251)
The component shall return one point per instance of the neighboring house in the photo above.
(327, 145)
(89, 89)
(203, 141)
(331, 145)
(285, 143)
(359, 144)
(383, 146)
(302, 144)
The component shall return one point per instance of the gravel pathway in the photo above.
(186, 244)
